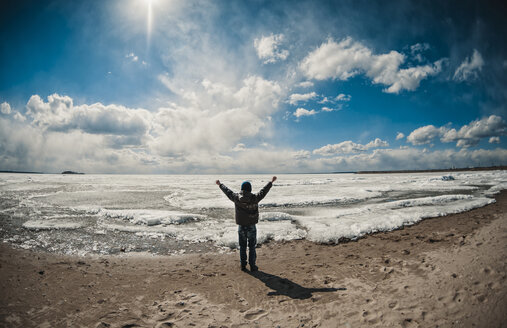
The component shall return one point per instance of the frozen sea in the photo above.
(173, 214)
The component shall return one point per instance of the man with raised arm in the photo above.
(247, 216)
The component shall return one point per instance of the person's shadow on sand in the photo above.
(283, 286)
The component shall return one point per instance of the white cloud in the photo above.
(426, 134)
(469, 68)
(29, 146)
(269, 48)
(5, 108)
(60, 114)
(412, 158)
(295, 98)
(324, 100)
(328, 109)
(112, 138)
(217, 119)
(19, 117)
(470, 134)
(347, 58)
(377, 143)
(467, 136)
(304, 112)
(305, 84)
(343, 97)
(400, 136)
(494, 140)
(348, 147)
(417, 49)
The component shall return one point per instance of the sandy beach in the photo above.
(443, 272)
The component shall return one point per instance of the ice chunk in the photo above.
(51, 224)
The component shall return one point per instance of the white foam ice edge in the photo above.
(350, 223)
(381, 218)
(152, 217)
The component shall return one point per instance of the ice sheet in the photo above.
(141, 210)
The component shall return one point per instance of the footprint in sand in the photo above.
(255, 314)
(409, 323)
(165, 325)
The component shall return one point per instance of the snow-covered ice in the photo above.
(96, 213)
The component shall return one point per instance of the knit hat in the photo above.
(246, 186)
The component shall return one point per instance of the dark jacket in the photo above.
(246, 203)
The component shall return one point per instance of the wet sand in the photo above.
(443, 272)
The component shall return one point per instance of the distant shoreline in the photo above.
(31, 172)
(22, 172)
(483, 168)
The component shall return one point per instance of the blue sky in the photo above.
(170, 86)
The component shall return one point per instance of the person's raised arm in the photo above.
(264, 191)
(228, 192)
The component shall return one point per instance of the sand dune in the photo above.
(448, 271)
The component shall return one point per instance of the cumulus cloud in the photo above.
(413, 158)
(295, 98)
(425, 134)
(5, 108)
(467, 136)
(60, 114)
(58, 133)
(217, 119)
(494, 140)
(269, 48)
(376, 143)
(348, 147)
(347, 58)
(400, 136)
(470, 134)
(304, 112)
(469, 68)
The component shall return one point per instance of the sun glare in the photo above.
(149, 20)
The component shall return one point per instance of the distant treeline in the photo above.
(29, 172)
(484, 168)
